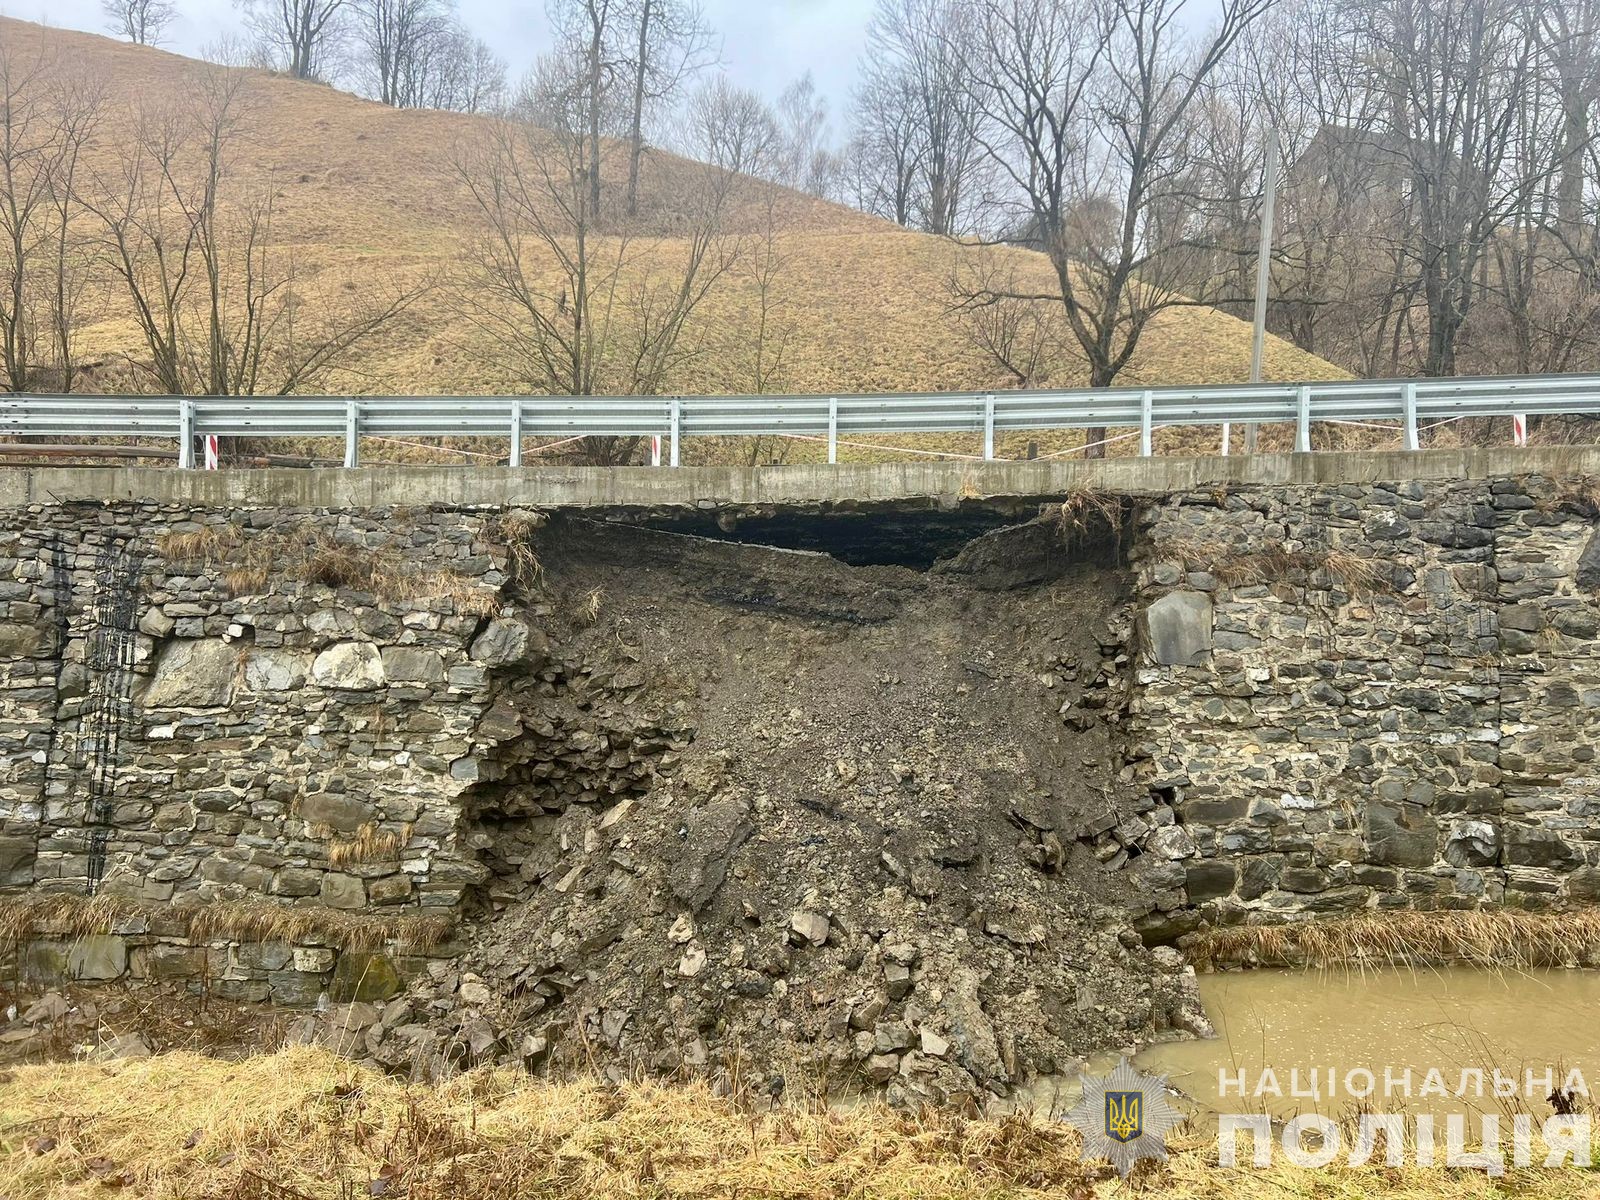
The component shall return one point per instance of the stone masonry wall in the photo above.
(171, 729)
(1367, 697)
(1335, 699)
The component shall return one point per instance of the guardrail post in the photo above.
(186, 434)
(1146, 423)
(352, 433)
(1302, 433)
(1408, 400)
(515, 457)
(833, 429)
(677, 416)
(988, 428)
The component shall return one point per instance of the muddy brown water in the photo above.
(1449, 1019)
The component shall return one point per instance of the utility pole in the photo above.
(1263, 275)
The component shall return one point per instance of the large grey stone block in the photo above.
(1178, 629)
(353, 665)
(1401, 835)
(198, 673)
(100, 956)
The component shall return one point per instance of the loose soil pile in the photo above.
(774, 817)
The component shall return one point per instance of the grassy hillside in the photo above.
(364, 196)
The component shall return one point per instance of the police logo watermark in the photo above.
(1124, 1113)
(1124, 1117)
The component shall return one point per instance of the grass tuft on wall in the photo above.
(1491, 938)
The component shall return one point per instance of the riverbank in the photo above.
(304, 1124)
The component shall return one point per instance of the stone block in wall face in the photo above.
(1472, 844)
(341, 812)
(43, 963)
(168, 962)
(25, 639)
(363, 977)
(1215, 810)
(1178, 628)
(1535, 846)
(1588, 565)
(242, 991)
(297, 989)
(508, 641)
(1401, 835)
(1259, 875)
(17, 856)
(1210, 880)
(343, 891)
(353, 666)
(314, 960)
(297, 881)
(1335, 900)
(155, 623)
(391, 889)
(413, 664)
(193, 674)
(1583, 885)
(100, 956)
(274, 671)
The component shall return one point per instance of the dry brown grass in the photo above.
(307, 554)
(62, 915)
(514, 530)
(1497, 938)
(1581, 494)
(370, 844)
(1087, 514)
(303, 1124)
(1236, 566)
(200, 548)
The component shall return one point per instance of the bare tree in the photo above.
(395, 39)
(733, 128)
(575, 310)
(1453, 74)
(1569, 36)
(1089, 113)
(671, 41)
(807, 164)
(140, 21)
(48, 112)
(79, 104)
(471, 77)
(214, 296)
(1019, 336)
(417, 54)
(587, 33)
(915, 110)
(301, 34)
(884, 158)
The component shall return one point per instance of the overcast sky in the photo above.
(766, 43)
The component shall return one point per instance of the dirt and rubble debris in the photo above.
(772, 814)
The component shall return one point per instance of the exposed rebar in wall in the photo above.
(113, 622)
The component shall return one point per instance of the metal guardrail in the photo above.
(1408, 402)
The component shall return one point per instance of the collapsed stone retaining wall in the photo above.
(1321, 699)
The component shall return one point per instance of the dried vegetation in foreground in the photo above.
(303, 1124)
